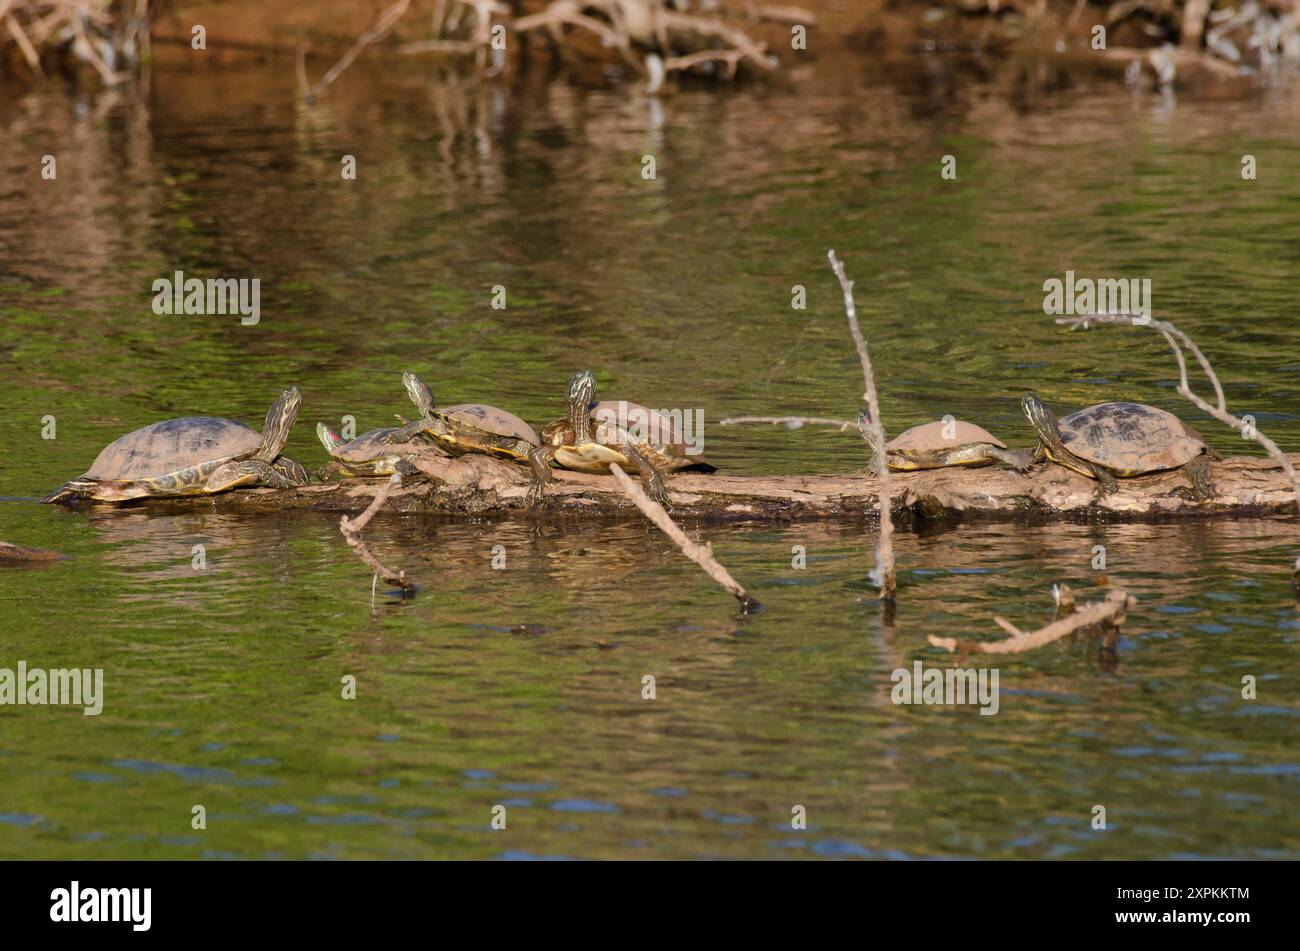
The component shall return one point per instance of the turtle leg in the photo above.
(651, 479)
(248, 472)
(292, 469)
(1022, 460)
(539, 461)
(1198, 471)
(1106, 480)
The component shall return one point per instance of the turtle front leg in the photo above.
(292, 469)
(1198, 472)
(1106, 480)
(249, 471)
(539, 461)
(651, 479)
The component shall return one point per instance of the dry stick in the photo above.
(702, 555)
(382, 25)
(874, 432)
(1220, 412)
(351, 529)
(793, 422)
(1111, 609)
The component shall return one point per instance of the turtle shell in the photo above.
(659, 435)
(1130, 438)
(494, 420)
(173, 445)
(367, 446)
(930, 437)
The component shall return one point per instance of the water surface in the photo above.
(522, 687)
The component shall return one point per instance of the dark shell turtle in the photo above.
(950, 443)
(595, 435)
(193, 455)
(1121, 439)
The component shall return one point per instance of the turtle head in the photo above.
(582, 389)
(582, 397)
(1040, 417)
(328, 438)
(279, 420)
(419, 392)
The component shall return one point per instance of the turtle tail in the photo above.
(72, 491)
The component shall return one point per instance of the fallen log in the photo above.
(482, 486)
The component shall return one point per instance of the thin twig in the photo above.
(383, 24)
(1112, 609)
(792, 422)
(874, 433)
(702, 555)
(351, 529)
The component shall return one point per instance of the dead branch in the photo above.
(1111, 610)
(351, 529)
(874, 432)
(386, 21)
(702, 555)
(1173, 336)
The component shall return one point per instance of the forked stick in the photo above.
(1112, 609)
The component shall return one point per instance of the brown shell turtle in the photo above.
(595, 434)
(474, 428)
(951, 442)
(193, 455)
(1121, 439)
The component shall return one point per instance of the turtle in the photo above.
(193, 455)
(595, 434)
(474, 428)
(951, 443)
(369, 454)
(1121, 439)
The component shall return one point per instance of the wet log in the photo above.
(481, 486)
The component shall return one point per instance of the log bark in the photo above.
(481, 486)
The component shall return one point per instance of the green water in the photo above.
(522, 687)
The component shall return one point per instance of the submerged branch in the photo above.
(791, 422)
(1112, 610)
(352, 528)
(702, 555)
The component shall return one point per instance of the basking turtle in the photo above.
(951, 443)
(194, 455)
(595, 434)
(1121, 439)
(474, 428)
(369, 454)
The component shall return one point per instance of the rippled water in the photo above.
(523, 687)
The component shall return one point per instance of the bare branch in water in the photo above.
(874, 433)
(1173, 336)
(351, 529)
(387, 19)
(1112, 609)
(792, 422)
(702, 555)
